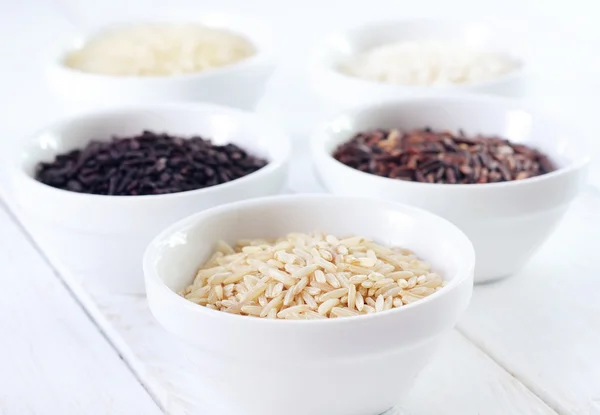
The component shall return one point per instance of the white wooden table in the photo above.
(527, 345)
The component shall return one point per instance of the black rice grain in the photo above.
(148, 164)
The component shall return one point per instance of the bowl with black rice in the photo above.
(103, 183)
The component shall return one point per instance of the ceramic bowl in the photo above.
(339, 91)
(111, 232)
(506, 221)
(238, 85)
(253, 366)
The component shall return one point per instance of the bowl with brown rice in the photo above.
(272, 295)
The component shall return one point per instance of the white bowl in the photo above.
(239, 85)
(111, 232)
(342, 91)
(253, 366)
(506, 221)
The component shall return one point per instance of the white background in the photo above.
(527, 345)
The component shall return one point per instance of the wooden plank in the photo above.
(543, 324)
(54, 360)
(461, 380)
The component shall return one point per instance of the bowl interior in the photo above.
(183, 248)
(343, 46)
(504, 118)
(221, 125)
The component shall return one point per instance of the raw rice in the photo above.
(428, 63)
(310, 276)
(161, 49)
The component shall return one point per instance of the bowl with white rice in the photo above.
(277, 296)
(407, 58)
(221, 59)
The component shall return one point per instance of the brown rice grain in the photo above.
(342, 250)
(254, 292)
(392, 292)
(309, 300)
(326, 255)
(212, 296)
(368, 309)
(290, 269)
(367, 284)
(201, 301)
(305, 271)
(224, 248)
(313, 291)
(289, 297)
(340, 292)
(251, 280)
(408, 299)
(400, 275)
(379, 304)
(219, 291)
(274, 304)
(277, 264)
(321, 286)
(422, 291)
(383, 283)
(252, 310)
(262, 300)
(388, 303)
(320, 276)
(343, 312)
(375, 276)
(352, 297)
(293, 310)
(341, 277)
(360, 302)
(251, 249)
(314, 315)
(357, 279)
(384, 268)
(281, 276)
(300, 285)
(332, 280)
(332, 240)
(326, 306)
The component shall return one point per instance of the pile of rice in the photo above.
(311, 276)
(160, 49)
(428, 63)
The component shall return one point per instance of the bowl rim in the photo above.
(320, 136)
(264, 52)
(19, 173)
(464, 272)
(317, 64)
